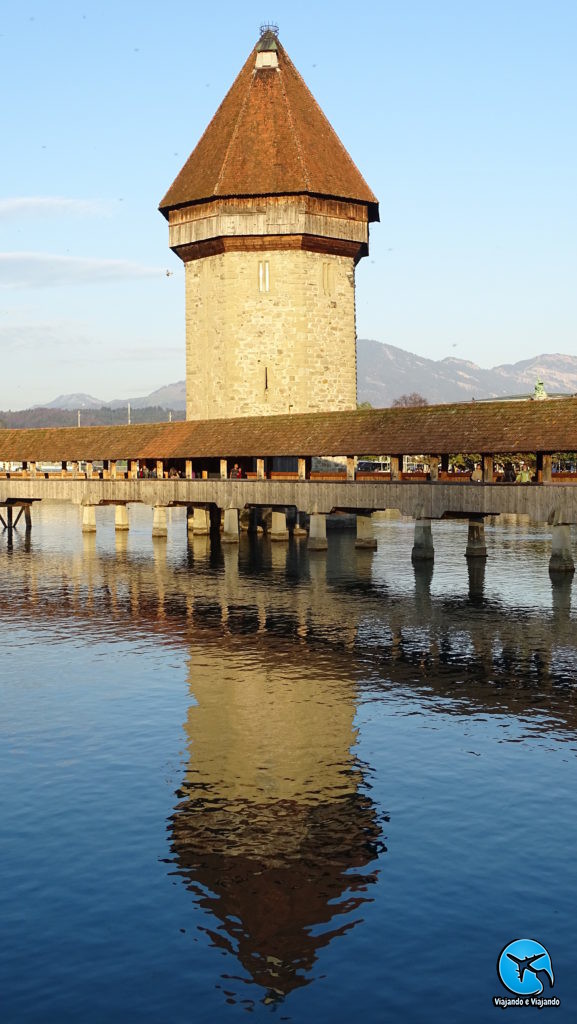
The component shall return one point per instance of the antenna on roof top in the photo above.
(269, 27)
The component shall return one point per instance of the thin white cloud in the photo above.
(43, 270)
(52, 206)
(41, 337)
(71, 343)
(146, 352)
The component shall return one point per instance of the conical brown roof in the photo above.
(269, 137)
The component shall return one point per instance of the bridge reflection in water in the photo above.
(340, 603)
(274, 831)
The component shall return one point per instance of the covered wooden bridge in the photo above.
(487, 428)
(189, 463)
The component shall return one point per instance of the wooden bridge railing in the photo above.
(358, 477)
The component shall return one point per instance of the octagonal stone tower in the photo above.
(270, 216)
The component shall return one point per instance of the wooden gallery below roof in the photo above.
(483, 427)
(270, 223)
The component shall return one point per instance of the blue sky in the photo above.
(460, 115)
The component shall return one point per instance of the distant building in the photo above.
(539, 395)
(270, 216)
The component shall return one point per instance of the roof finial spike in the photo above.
(268, 27)
(268, 41)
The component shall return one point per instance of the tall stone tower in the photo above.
(270, 217)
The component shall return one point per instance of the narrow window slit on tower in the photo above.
(263, 276)
(328, 279)
(266, 378)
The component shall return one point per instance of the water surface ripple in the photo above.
(327, 787)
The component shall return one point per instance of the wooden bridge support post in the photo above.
(215, 514)
(159, 527)
(298, 528)
(396, 467)
(561, 551)
(133, 469)
(89, 470)
(434, 468)
(18, 517)
(350, 467)
(317, 533)
(28, 518)
(199, 522)
(223, 469)
(476, 546)
(188, 469)
(88, 519)
(423, 548)
(279, 530)
(260, 469)
(304, 468)
(544, 468)
(365, 534)
(249, 518)
(230, 533)
(487, 469)
(121, 517)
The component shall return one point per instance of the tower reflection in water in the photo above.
(274, 832)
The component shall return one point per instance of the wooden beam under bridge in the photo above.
(24, 507)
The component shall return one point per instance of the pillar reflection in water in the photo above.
(273, 831)
(423, 572)
(561, 586)
(476, 569)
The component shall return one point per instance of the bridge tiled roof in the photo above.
(269, 137)
(491, 427)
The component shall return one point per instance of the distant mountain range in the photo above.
(384, 373)
(171, 396)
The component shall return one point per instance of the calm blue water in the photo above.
(319, 788)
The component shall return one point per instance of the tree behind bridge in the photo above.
(413, 399)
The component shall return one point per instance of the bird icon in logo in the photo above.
(523, 966)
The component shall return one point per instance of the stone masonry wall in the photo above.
(262, 341)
